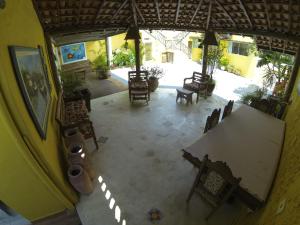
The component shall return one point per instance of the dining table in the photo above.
(250, 142)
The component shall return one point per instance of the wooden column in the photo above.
(108, 50)
(137, 55)
(204, 59)
(52, 63)
(293, 77)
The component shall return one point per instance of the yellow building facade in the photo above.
(33, 180)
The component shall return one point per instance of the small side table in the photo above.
(186, 94)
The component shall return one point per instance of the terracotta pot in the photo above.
(210, 88)
(153, 83)
(78, 156)
(73, 136)
(80, 180)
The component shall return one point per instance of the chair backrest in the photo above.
(217, 180)
(141, 76)
(200, 78)
(212, 120)
(227, 109)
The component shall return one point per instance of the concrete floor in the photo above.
(140, 163)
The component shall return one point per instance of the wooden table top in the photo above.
(250, 142)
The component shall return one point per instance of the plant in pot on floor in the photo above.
(100, 66)
(155, 73)
(215, 53)
(73, 90)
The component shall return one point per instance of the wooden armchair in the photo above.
(212, 120)
(198, 84)
(73, 113)
(227, 109)
(138, 86)
(215, 183)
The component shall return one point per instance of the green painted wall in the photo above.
(287, 182)
(20, 26)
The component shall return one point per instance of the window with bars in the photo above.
(239, 48)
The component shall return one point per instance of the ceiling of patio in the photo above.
(274, 24)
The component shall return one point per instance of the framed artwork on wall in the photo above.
(32, 77)
(73, 53)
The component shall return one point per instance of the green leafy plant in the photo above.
(256, 95)
(277, 69)
(154, 71)
(123, 57)
(70, 83)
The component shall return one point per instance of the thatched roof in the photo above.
(274, 24)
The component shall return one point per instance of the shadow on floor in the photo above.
(100, 88)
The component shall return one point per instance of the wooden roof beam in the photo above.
(226, 13)
(78, 14)
(197, 9)
(98, 11)
(209, 15)
(246, 13)
(139, 12)
(290, 16)
(134, 12)
(177, 11)
(267, 14)
(157, 10)
(119, 9)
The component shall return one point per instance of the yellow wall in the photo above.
(93, 48)
(19, 26)
(196, 54)
(287, 183)
(118, 40)
(246, 64)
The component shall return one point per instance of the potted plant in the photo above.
(155, 73)
(211, 86)
(72, 89)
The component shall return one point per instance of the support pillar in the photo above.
(204, 58)
(293, 77)
(137, 55)
(108, 50)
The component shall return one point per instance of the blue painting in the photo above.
(73, 53)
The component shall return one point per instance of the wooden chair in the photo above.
(215, 183)
(198, 84)
(73, 113)
(212, 120)
(138, 86)
(227, 109)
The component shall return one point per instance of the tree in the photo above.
(278, 67)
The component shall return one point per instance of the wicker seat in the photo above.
(214, 183)
(198, 84)
(212, 120)
(138, 87)
(227, 109)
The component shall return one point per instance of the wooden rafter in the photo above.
(98, 11)
(157, 10)
(139, 12)
(197, 9)
(270, 43)
(267, 14)
(290, 16)
(58, 10)
(226, 13)
(177, 11)
(208, 15)
(78, 14)
(242, 5)
(134, 12)
(119, 9)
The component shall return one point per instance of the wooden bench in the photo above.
(78, 68)
(73, 113)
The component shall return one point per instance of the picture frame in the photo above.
(73, 53)
(32, 78)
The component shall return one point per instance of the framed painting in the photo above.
(31, 75)
(73, 53)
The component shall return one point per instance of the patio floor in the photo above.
(140, 162)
